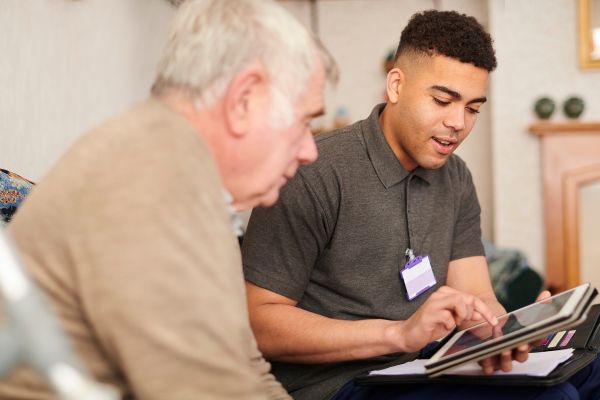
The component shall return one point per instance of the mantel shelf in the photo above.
(544, 128)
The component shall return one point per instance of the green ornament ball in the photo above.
(544, 107)
(573, 107)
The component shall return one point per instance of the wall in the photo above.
(67, 65)
(537, 52)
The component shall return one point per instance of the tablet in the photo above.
(524, 325)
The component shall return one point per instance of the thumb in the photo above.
(544, 295)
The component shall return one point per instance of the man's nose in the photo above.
(455, 119)
(308, 149)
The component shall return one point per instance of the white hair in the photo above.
(213, 40)
(282, 111)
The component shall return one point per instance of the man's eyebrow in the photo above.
(456, 96)
(319, 113)
(448, 91)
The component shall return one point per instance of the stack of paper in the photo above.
(538, 364)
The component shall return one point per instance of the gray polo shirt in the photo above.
(335, 240)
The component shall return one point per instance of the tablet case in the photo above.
(437, 367)
(585, 341)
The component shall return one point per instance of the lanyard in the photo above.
(409, 252)
(417, 273)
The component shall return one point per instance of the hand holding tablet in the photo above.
(504, 360)
(524, 325)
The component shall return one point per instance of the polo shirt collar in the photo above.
(384, 161)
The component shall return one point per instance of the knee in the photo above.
(565, 391)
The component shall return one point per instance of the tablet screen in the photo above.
(537, 313)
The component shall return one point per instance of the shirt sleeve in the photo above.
(467, 230)
(282, 243)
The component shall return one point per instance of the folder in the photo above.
(585, 341)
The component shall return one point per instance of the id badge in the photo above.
(417, 275)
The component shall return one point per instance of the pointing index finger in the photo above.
(485, 312)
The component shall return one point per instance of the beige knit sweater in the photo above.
(129, 238)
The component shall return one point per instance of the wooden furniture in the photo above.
(570, 155)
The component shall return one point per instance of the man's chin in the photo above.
(256, 200)
(269, 199)
(434, 163)
(268, 202)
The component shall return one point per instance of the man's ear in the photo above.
(395, 81)
(243, 99)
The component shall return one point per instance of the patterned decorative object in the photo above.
(13, 189)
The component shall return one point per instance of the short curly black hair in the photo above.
(451, 34)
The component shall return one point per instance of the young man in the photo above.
(326, 298)
(130, 234)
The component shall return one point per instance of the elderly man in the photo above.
(130, 233)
